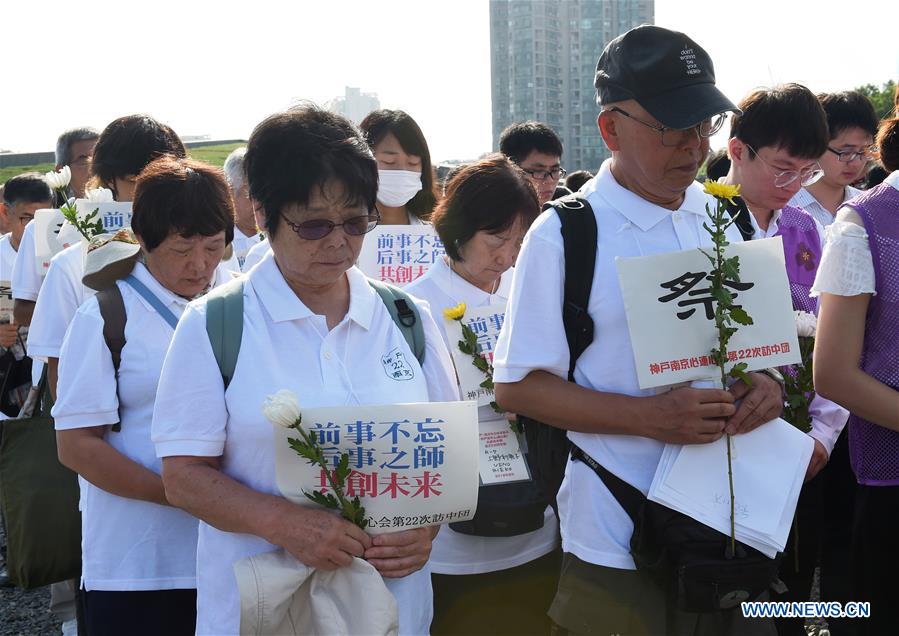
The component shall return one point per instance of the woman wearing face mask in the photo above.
(405, 178)
(497, 573)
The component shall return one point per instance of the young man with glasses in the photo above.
(774, 147)
(852, 123)
(537, 150)
(659, 105)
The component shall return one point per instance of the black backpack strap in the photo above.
(740, 213)
(112, 310)
(628, 496)
(579, 236)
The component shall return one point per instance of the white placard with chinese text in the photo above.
(400, 254)
(52, 234)
(413, 465)
(501, 460)
(47, 223)
(670, 313)
(486, 323)
(113, 216)
(6, 301)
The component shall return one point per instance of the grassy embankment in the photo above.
(215, 155)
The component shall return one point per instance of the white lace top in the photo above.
(846, 267)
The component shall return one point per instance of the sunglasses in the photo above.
(320, 228)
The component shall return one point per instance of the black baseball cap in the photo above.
(665, 71)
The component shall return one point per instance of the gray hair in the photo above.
(234, 168)
(65, 141)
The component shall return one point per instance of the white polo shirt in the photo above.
(243, 243)
(7, 257)
(62, 293)
(59, 298)
(594, 527)
(454, 552)
(807, 201)
(284, 346)
(26, 273)
(256, 254)
(126, 544)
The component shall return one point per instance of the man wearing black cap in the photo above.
(659, 107)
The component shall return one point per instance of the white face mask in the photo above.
(397, 187)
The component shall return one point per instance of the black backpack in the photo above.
(548, 446)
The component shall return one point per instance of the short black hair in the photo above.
(291, 153)
(788, 116)
(183, 196)
(486, 195)
(28, 187)
(128, 144)
(519, 140)
(380, 122)
(576, 179)
(849, 109)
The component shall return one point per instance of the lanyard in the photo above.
(147, 295)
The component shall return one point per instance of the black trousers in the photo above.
(509, 602)
(152, 613)
(838, 497)
(875, 557)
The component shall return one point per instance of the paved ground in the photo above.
(26, 613)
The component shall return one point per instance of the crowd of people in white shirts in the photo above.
(175, 459)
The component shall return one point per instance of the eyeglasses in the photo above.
(320, 228)
(540, 175)
(783, 178)
(848, 156)
(673, 137)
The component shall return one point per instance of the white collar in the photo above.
(638, 210)
(168, 298)
(461, 290)
(283, 305)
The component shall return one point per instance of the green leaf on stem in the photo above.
(739, 315)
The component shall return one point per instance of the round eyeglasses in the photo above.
(673, 137)
(316, 229)
(783, 178)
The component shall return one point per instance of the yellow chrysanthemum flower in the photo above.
(454, 313)
(721, 190)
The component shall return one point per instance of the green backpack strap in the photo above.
(224, 325)
(405, 314)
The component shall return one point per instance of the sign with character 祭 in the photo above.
(412, 465)
(670, 313)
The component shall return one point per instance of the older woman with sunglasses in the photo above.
(313, 324)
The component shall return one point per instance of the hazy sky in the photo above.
(218, 68)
